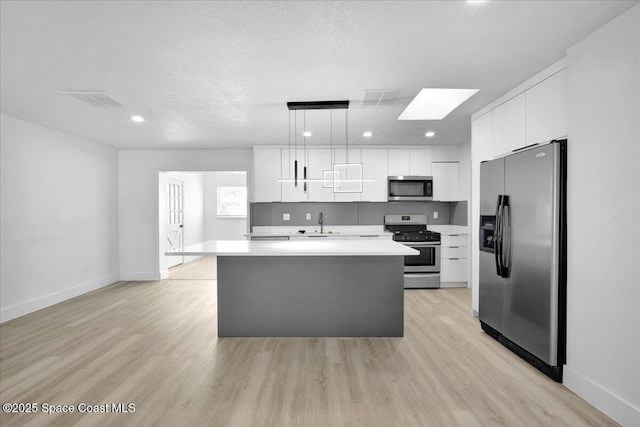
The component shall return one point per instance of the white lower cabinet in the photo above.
(454, 270)
(454, 260)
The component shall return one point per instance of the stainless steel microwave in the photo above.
(409, 188)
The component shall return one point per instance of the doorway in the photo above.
(194, 207)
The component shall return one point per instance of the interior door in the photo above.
(531, 290)
(491, 284)
(175, 220)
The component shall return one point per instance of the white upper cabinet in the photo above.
(266, 173)
(547, 109)
(291, 193)
(420, 162)
(481, 138)
(445, 181)
(320, 161)
(509, 132)
(340, 156)
(398, 161)
(374, 166)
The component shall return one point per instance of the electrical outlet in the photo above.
(435, 214)
(286, 217)
(308, 217)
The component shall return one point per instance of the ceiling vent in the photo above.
(378, 97)
(94, 99)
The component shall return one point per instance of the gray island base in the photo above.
(308, 289)
(330, 296)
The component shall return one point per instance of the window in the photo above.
(232, 202)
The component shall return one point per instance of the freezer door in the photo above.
(491, 185)
(531, 244)
(491, 284)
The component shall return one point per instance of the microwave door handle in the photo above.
(505, 237)
(496, 237)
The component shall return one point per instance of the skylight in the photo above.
(435, 104)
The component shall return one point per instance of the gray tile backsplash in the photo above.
(344, 213)
(458, 213)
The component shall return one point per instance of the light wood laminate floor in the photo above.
(154, 344)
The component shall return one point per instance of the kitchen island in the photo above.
(348, 288)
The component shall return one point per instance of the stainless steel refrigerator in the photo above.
(523, 253)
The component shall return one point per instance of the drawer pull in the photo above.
(454, 258)
(454, 247)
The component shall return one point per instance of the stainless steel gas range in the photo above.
(420, 271)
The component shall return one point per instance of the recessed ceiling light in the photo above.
(137, 119)
(435, 104)
(367, 134)
(430, 134)
(306, 133)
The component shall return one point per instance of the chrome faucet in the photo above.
(321, 224)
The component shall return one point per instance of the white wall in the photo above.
(222, 228)
(603, 325)
(194, 217)
(138, 179)
(59, 217)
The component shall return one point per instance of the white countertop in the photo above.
(449, 229)
(297, 248)
(375, 230)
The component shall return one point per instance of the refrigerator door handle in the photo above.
(497, 237)
(505, 237)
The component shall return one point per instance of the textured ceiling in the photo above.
(219, 74)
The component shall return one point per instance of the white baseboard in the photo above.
(453, 284)
(17, 310)
(164, 274)
(129, 276)
(613, 406)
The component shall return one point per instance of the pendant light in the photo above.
(340, 173)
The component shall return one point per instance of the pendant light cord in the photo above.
(346, 131)
(331, 133)
(289, 132)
